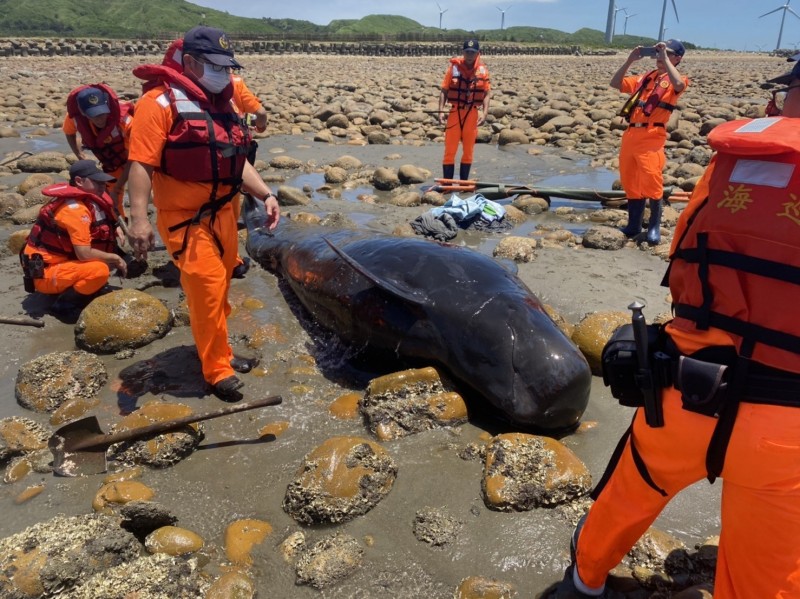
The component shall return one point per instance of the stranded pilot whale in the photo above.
(425, 300)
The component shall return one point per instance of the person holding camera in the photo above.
(732, 408)
(653, 97)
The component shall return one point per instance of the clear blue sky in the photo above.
(724, 24)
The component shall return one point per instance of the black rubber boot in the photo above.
(228, 389)
(69, 305)
(240, 270)
(654, 224)
(464, 169)
(635, 213)
(448, 171)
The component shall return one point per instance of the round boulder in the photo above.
(385, 179)
(410, 174)
(593, 332)
(292, 196)
(343, 478)
(20, 436)
(604, 238)
(335, 175)
(524, 471)
(46, 382)
(512, 136)
(409, 402)
(329, 561)
(31, 181)
(160, 450)
(10, 203)
(518, 249)
(347, 162)
(285, 162)
(124, 319)
(17, 240)
(46, 162)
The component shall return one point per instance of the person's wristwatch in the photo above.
(268, 196)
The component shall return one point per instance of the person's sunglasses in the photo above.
(217, 68)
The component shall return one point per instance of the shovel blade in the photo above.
(91, 460)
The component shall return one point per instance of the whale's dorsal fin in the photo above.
(388, 286)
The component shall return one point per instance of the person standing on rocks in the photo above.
(189, 146)
(245, 100)
(467, 89)
(103, 122)
(653, 97)
(733, 409)
(72, 246)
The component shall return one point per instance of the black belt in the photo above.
(640, 125)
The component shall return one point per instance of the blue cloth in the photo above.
(469, 208)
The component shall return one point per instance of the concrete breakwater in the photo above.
(109, 47)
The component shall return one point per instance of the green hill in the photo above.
(122, 18)
(162, 18)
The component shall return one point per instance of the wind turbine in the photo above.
(441, 12)
(502, 16)
(610, 21)
(625, 28)
(661, 28)
(614, 26)
(785, 8)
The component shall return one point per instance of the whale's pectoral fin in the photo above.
(392, 287)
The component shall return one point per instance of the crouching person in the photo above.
(72, 246)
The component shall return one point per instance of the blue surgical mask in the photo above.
(214, 81)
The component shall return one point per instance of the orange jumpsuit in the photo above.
(61, 272)
(246, 102)
(69, 128)
(205, 272)
(462, 121)
(759, 552)
(641, 155)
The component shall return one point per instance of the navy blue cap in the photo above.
(93, 102)
(472, 46)
(212, 43)
(676, 47)
(87, 169)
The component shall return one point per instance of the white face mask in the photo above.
(214, 81)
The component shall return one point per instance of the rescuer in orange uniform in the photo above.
(735, 350)
(467, 89)
(245, 100)
(104, 123)
(189, 145)
(653, 97)
(72, 247)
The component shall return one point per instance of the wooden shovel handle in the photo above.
(22, 320)
(169, 425)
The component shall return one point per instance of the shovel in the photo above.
(79, 448)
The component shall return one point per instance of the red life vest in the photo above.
(467, 86)
(736, 266)
(108, 143)
(46, 233)
(209, 139)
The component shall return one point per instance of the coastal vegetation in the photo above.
(148, 19)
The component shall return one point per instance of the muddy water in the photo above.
(236, 474)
